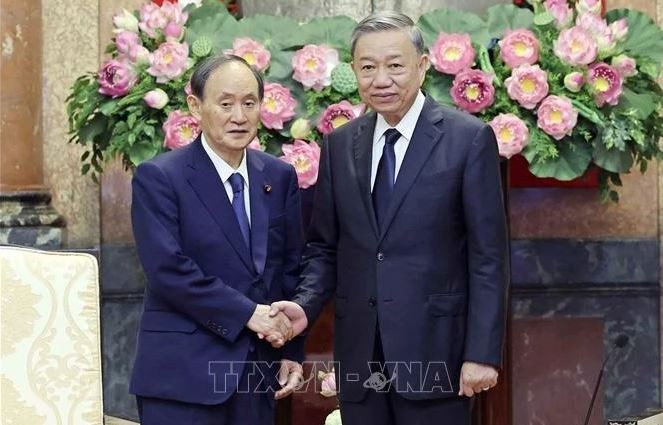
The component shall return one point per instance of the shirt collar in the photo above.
(406, 125)
(222, 167)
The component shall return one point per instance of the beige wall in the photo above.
(70, 48)
(75, 34)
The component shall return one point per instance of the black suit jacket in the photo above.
(435, 279)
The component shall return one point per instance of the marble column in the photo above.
(26, 214)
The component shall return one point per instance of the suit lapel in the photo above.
(259, 210)
(425, 137)
(207, 184)
(363, 151)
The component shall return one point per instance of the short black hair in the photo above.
(205, 68)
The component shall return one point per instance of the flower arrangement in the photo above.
(560, 84)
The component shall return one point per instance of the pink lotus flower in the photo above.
(313, 65)
(169, 61)
(339, 114)
(573, 81)
(126, 40)
(593, 24)
(519, 47)
(452, 53)
(619, 29)
(472, 90)
(154, 19)
(156, 99)
(139, 54)
(173, 31)
(181, 128)
(174, 14)
(278, 106)
(511, 133)
(125, 21)
(252, 52)
(528, 85)
(255, 144)
(561, 11)
(327, 384)
(598, 29)
(557, 117)
(606, 83)
(116, 78)
(305, 157)
(575, 47)
(589, 6)
(625, 65)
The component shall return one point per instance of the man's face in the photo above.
(389, 72)
(229, 112)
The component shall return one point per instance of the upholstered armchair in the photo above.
(50, 344)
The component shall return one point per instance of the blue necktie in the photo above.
(237, 183)
(384, 178)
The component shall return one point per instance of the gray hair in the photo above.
(207, 66)
(388, 21)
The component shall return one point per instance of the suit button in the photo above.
(380, 256)
(371, 302)
(224, 332)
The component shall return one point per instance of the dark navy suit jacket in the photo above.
(434, 279)
(202, 283)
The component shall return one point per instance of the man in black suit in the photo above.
(408, 236)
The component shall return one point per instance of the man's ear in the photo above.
(195, 105)
(356, 71)
(424, 64)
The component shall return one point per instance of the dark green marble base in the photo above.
(29, 219)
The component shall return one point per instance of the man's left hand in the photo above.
(476, 377)
(291, 377)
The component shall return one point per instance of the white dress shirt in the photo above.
(405, 126)
(225, 171)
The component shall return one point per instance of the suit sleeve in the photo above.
(488, 256)
(318, 281)
(171, 274)
(294, 350)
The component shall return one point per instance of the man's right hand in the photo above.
(277, 328)
(294, 312)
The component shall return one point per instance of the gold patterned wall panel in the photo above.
(51, 349)
(70, 48)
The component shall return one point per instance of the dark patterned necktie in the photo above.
(237, 183)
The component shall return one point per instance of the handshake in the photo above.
(278, 323)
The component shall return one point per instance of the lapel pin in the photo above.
(268, 188)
